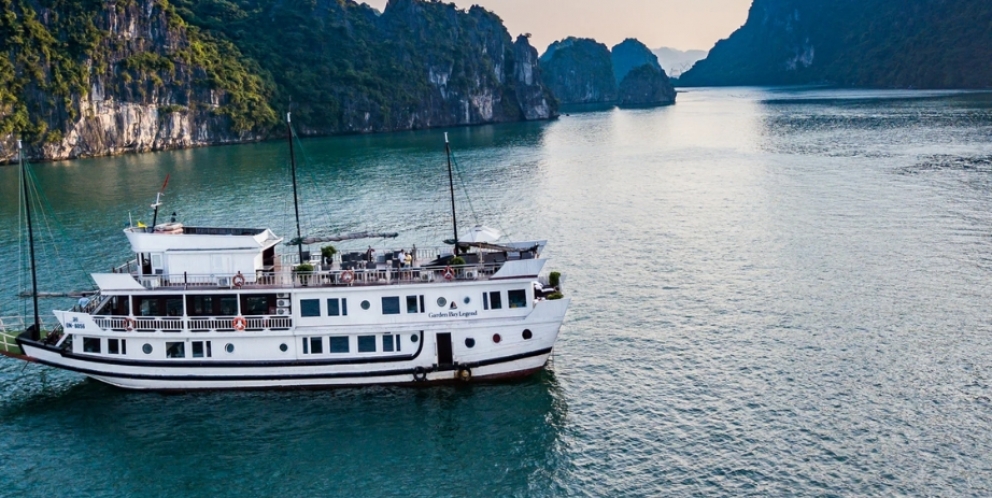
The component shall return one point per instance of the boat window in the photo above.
(306, 345)
(337, 307)
(91, 344)
(517, 298)
(114, 346)
(390, 306)
(316, 345)
(339, 344)
(387, 343)
(366, 305)
(258, 304)
(366, 344)
(147, 349)
(228, 305)
(310, 307)
(492, 300)
(201, 305)
(412, 304)
(174, 306)
(199, 351)
(175, 350)
(116, 306)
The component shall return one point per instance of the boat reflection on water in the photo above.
(488, 440)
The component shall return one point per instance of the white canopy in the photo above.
(480, 233)
(116, 282)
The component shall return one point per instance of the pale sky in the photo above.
(681, 24)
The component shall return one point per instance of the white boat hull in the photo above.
(512, 357)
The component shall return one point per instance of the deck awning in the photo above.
(116, 282)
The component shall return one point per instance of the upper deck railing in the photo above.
(336, 277)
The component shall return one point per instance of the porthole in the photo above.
(366, 305)
(497, 338)
(414, 338)
(441, 301)
(467, 300)
(283, 347)
(229, 348)
(469, 342)
(528, 334)
(147, 349)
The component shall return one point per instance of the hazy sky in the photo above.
(682, 24)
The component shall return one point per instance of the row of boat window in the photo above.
(414, 304)
(203, 349)
(366, 344)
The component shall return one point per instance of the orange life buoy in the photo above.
(239, 323)
(348, 276)
(238, 280)
(449, 274)
(129, 324)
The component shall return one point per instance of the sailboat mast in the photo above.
(36, 331)
(451, 185)
(296, 202)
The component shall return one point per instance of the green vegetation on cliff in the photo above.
(874, 43)
(56, 50)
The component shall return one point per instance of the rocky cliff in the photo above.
(579, 71)
(84, 78)
(875, 43)
(640, 79)
(646, 86)
(89, 77)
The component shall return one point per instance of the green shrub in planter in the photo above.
(555, 295)
(305, 267)
(554, 279)
(328, 251)
(457, 260)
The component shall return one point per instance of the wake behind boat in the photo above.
(219, 308)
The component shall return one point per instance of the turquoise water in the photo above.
(775, 292)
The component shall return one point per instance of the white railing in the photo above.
(381, 275)
(193, 324)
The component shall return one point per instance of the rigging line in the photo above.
(461, 179)
(314, 185)
(486, 205)
(47, 213)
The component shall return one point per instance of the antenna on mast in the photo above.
(158, 201)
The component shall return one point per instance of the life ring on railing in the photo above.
(449, 274)
(238, 280)
(420, 374)
(239, 323)
(348, 276)
(129, 324)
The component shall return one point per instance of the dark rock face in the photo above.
(873, 43)
(139, 75)
(641, 80)
(631, 54)
(646, 86)
(579, 71)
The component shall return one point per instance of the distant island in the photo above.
(584, 71)
(864, 43)
(677, 61)
(81, 79)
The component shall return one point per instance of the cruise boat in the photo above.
(221, 308)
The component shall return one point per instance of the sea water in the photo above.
(775, 292)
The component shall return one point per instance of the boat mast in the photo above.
(36, 330)
(296, 202)
(451, 185)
